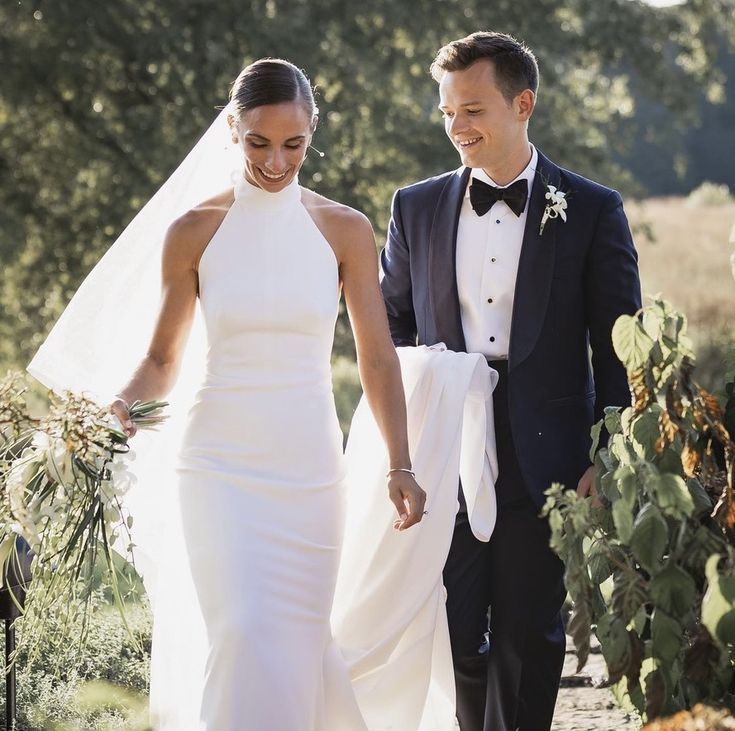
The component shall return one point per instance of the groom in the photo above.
(485, 261)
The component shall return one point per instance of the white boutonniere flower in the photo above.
(556, 206)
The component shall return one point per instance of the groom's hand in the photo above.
(586, 486)
(408, 497)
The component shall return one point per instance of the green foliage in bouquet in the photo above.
(650, 569)
(62, 482)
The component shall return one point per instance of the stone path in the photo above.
(582, 707)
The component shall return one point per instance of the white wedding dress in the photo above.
(260, 472)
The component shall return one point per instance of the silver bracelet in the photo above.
(400, 469)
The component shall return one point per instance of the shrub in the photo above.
(104, 687)
(709, 194)
(651, 570)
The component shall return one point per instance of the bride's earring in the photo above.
(318, 152)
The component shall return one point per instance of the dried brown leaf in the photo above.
(711, 405)
(667, 426)
(674, 405)
(690, 459)
(641, 393)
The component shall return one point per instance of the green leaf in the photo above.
(667, 635)
(612, 419)
(639, 622)
(673, 496)
(629, 594)
(623, 518)
(702, 502)
(645, 431)
(718, 604)
(655, 694)
(673, 590)
(598, 564)
(631, 342)
(615, 645)
(637, 655)
(650, 537)
(579, 628)
(595, 434)
(627, 483)
(622, 449)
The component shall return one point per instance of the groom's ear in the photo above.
(524, 104)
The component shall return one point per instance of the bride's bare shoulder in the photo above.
(189, 234)
(340, 225)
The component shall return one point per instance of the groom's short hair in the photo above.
(515, 65)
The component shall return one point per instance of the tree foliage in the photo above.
(652, 570)
(99, 101)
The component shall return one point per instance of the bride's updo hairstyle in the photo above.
(270, 81)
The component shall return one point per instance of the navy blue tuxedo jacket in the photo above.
(573, 282)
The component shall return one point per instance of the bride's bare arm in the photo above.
(156, 373)
(377, 361)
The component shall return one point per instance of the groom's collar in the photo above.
(526, 174)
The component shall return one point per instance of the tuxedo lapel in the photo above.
(443, 294)
(535, 267)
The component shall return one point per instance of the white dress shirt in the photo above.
(488, 252)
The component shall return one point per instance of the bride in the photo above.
(260, 466)
(249, 285)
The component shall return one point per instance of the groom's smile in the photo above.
(485, 122)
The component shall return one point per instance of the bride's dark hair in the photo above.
(271, 81)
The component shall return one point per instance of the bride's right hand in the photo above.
(119, 408)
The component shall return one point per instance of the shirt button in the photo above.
(489, 300)
(493, 259)
(497, 220)
(492, 338)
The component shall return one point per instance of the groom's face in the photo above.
(484, 127)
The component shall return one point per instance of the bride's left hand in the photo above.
(408, 497)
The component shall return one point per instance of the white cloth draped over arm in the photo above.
(389, 617)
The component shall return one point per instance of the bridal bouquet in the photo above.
(62, 480)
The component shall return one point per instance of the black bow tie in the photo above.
(482, 196)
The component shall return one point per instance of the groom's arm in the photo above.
(612, 288)
(395, 280)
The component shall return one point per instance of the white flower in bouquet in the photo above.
(64, 495)
(21, 473)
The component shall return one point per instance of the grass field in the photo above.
(689, 260)
(688, 263)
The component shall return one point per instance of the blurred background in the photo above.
(100, 101)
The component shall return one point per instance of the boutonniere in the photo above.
(556, 206)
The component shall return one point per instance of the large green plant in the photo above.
(650, 569)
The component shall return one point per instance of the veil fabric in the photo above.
(105, 330)
(94, 348)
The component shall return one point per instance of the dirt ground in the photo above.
(582, 707)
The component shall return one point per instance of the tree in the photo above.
(99, 101)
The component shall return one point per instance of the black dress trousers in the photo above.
(507, 669)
